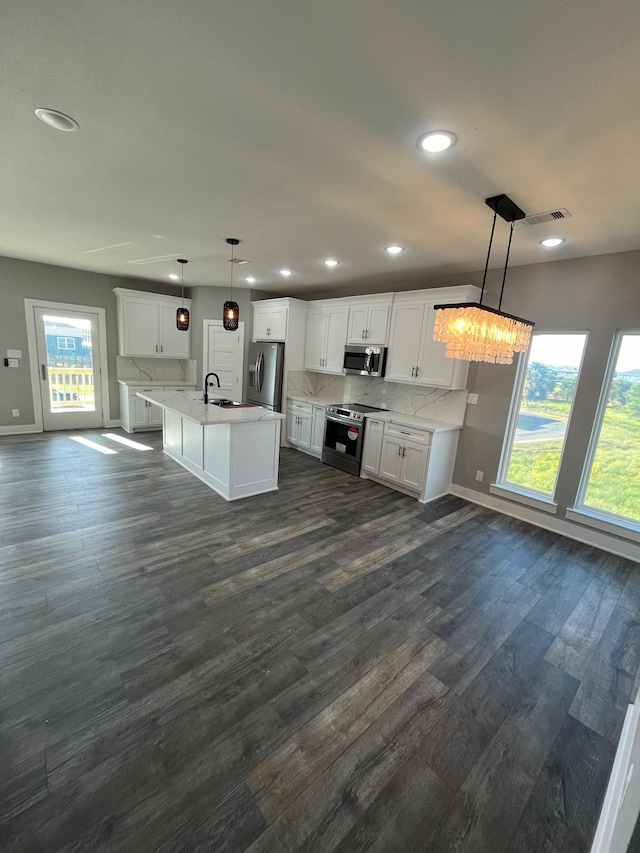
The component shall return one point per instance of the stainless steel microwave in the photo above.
(365, 361)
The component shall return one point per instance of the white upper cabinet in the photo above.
(147, 325)
(414, 356)
(368, 323)
(269, 322)
(326, 336)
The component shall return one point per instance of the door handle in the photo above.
(44, 371)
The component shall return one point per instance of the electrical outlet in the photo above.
(472, 399)
(479, 476)
(15, 413)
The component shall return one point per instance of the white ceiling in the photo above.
(292, 125)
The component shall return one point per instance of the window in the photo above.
(540, 411)
(66, 343)
(611, 481)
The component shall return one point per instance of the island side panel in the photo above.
(217, 458)
(442, 455)
(192, 442)
(255, 454)
(172, 433)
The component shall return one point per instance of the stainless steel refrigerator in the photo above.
(266, 364)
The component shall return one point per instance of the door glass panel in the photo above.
(69, 364)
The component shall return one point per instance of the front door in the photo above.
(223, 355)
(69, 368)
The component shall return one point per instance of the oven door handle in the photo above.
(344, 421)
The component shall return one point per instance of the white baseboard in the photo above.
(114, 424)
(21, 429)
(587, 536)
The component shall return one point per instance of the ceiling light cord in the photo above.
(232, 260)
(506, 262)
(486, 266)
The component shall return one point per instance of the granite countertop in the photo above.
(189, 404)
(402, 419)
(146, 382)
(316, 401)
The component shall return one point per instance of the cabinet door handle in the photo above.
(362, 335)
(156, 347)
(413, 370)
(417, 371)
(161, 348)
(366, 334)
(399, 451)
(404, 451)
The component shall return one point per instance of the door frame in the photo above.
(29, 305)
(205, 349)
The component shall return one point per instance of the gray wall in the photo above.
(599, 295)
(207, 304)
(24, 279)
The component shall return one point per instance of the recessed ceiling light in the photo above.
(285, 272)
(436, 141)
(330, 262)
(551, 242)
(394, 250)
(173, 276)
(250, 279)
(56, 119)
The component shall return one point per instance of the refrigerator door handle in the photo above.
(259, 371)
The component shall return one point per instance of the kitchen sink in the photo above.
(224, 403)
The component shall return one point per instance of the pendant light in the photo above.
(182, 314)
(474, 332)
(231, 311)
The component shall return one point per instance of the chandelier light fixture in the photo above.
(471, 330)
(231, 311)
(182, 314)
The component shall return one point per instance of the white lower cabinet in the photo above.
(372, 446)
(137, 414)
(305, 427)
(412, 460)
(404, 462)
(299, 424)
(317, 433)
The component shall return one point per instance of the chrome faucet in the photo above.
(205, 394)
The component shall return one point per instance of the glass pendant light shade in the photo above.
(231, 316)
(473, 332)
(182, 314)
(182, 319)
(231, 310)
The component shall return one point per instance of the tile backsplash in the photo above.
(156, 369)
(417, 400)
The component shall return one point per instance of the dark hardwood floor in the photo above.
(331, 667)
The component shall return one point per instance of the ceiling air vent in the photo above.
(240, 261)
(549, 216)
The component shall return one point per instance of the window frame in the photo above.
(580, 511)
(504, 488)
(66, 339)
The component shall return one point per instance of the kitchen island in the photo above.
(234, 450)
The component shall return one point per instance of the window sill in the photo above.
(531, 499)
(604, 522)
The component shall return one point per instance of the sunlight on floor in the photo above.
(126, 441)
(92, 444)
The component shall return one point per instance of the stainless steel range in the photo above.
(344, 435)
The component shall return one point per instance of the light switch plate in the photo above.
(13, 362)
(14, 353)
(472, 399)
